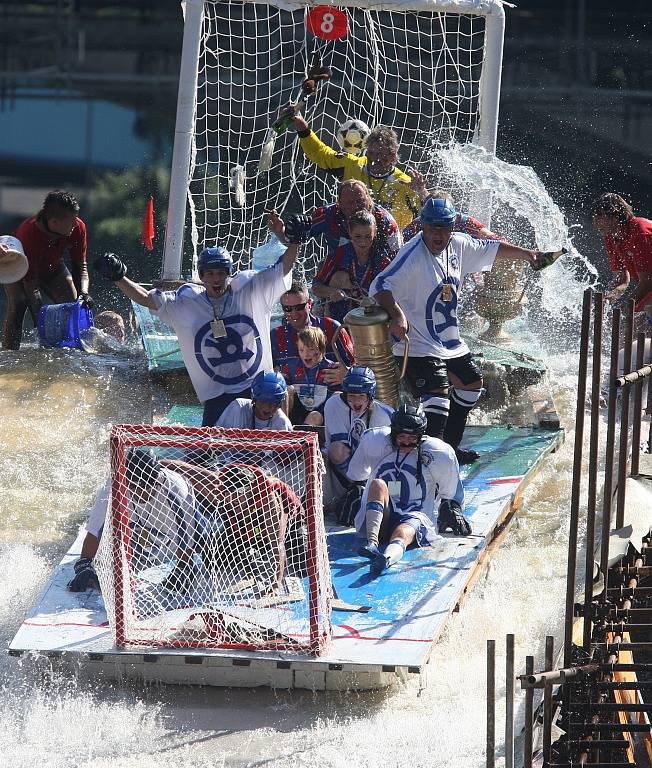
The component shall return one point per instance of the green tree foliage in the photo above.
(114, 212)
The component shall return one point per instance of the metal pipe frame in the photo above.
(577, 477)
(638, 405)
(623, 452)
(594, 437)
(607, 491)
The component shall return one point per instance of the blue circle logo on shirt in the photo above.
(389, 473)
(217, 356)
(441, 316)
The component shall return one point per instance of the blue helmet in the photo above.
(268, 387)
(216, 257)
(359, 381)
(439, 212)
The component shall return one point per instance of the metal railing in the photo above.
(594, 697)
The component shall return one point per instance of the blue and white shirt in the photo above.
(343, 426)
(415, 279)
(165, 522)
(376, 458)
(228, 364)
(240, 415)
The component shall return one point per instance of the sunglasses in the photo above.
(287, 308)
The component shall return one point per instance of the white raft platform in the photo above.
(384, 627)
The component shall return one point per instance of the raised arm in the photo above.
(112, 268)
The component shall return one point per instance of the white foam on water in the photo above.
(56, 409)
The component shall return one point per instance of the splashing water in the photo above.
(523, 212)
(55, 414)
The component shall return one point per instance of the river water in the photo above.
(56, 411)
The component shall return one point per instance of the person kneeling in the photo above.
(347, 416)
(264, 410)
(408, 476)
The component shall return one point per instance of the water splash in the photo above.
(519, 207)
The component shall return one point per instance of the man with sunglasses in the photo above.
(55, 231)
(296, 304)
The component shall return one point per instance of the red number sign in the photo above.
(327, 22)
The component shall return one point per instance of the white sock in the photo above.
(373, 520)
(394, 551)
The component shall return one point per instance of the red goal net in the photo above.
(214, 538)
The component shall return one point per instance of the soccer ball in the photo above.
(352, 136)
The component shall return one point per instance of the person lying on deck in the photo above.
(222, 323)
(409, 477)
(162, 511)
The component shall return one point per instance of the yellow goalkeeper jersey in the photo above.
(392, 191)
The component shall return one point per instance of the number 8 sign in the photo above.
(327, 22)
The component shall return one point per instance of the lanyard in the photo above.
(224, 301)
(399, 464)
(253, 418)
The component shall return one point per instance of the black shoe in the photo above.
(450, 516)
(466, 457)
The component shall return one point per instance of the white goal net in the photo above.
(214, 538)
(418, 71)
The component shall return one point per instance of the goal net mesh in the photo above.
(215, 538)
(417, 72)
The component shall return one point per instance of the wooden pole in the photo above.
(491, 703)
(509, 702)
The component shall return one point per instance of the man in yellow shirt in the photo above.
(401, 194)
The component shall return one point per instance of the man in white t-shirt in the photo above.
(162, 512)
(419, 290)
(223, 324)
(263, 411)
(413, 488)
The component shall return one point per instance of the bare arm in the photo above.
(398, 324)
(136, 292)
(644, 285)
(289, 257)
(515, 253)
(80, 276)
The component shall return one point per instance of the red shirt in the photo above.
(44, 255)
(631, 249)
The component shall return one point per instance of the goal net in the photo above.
(418, 68)
(214, 538)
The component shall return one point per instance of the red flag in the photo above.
(148, 226)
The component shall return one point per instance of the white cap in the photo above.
(13, 262)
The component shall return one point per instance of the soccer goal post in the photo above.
(430, 69)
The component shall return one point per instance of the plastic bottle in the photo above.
(267, 254)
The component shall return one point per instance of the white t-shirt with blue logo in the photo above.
(240, 415)
(343, 426)
(227, 364)
(376, 458)
(415, 278)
